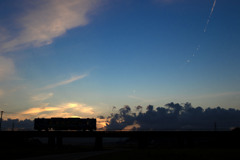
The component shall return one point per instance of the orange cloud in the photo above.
(101, 124)
(39, 110)
(131, 127)
(63, 110)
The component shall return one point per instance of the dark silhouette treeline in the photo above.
(175, 116)
(17, 125)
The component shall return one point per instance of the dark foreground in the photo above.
(76, 153)
(172, 154)
(131, 145)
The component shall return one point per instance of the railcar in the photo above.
(64, 124)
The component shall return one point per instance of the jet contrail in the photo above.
(205, 30)
(210, 15)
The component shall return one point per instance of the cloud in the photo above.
(101, 123)
(134, 126)
(24, 120)
(175, 116)
(39, 110)
(221, 95)
(42, 97)
(72, 79)
(62, 110)
(39, 22)
(7, 68)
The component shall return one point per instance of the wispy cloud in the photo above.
(65, 82)
(210, 15)
(42, 97)
(39, 110)
(7, 68)
(71, 109)
(219, 95)
(42, 21)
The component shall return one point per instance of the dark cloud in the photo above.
(114, 108)
(125, 110)
(101, 117)
(139, 108)
(175, 116)
(120, 120)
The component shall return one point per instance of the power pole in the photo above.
(1, 121)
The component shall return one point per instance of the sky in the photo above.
(82, 57)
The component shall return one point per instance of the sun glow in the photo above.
(101, 124)
(64, 110)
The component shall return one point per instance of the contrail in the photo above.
(210, 15)
(205, 29)
(72, 79)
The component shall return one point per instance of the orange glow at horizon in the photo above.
(101, 124)
(64, 110)
(131, 127)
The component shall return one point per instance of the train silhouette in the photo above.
(65, 124)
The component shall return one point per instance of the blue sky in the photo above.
(81, 58)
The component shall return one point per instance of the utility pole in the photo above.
(1, 121)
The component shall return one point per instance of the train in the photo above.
(65, 124)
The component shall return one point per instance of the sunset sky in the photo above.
(82, 57)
